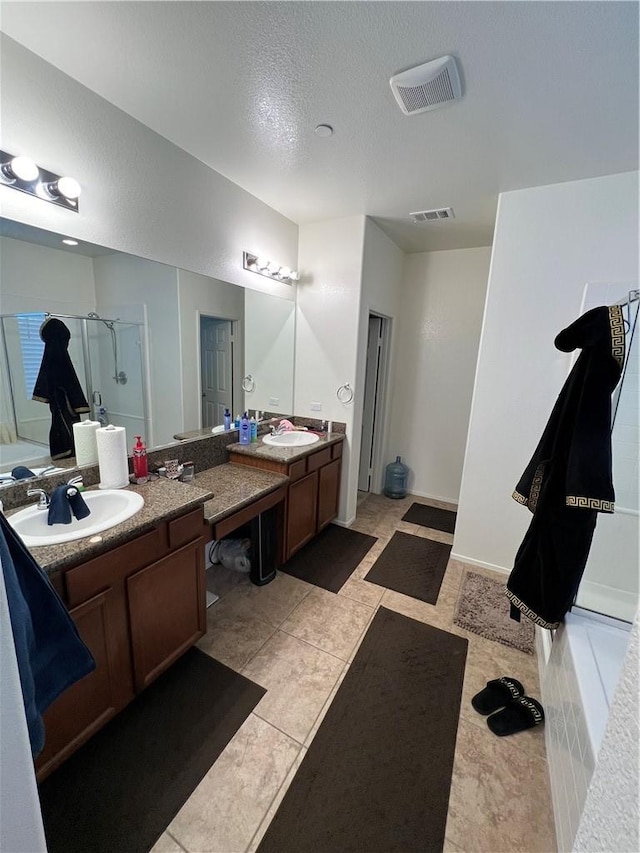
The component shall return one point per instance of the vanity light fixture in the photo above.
(21, 173)
(262, 266)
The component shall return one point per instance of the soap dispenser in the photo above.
(245, 430)
(227, 420)
(140, 465)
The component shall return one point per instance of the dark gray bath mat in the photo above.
(377, 775)
(483, 608)
(412, 565)
(431, 516)
(120, 791)
(329, 559)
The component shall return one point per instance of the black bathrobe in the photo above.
(58, 385)
(569, 480)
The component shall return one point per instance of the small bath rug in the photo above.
(431, 516)
(483, 608)
(411, 565)
(377, 774)
(330, 559)
(119, 792)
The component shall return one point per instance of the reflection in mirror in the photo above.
(173, 351)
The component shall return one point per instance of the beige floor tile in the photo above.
(414, 609)
(224, 812)
(331, 622)
(166, 844)
(298, 678)
(499, 796)
(275, 804)
(272, 602)
(362, 591)
(450, 847)
(326, 706)
(234, 634)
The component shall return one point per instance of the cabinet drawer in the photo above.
(185, 529)
(336, 450)
(297, 469)
(317, 460)
(98, 574)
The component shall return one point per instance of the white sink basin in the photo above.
(108, 508)
(297, 438)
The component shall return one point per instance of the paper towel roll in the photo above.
(112, 457)
(84, 438)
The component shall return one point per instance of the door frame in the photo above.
(236, 366)
(380, 425)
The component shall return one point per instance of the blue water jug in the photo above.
(395, 481)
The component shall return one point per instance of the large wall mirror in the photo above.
(159, 350)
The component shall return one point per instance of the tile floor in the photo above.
(298, 640)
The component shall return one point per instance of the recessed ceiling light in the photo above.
(69, 242)
(324, 130)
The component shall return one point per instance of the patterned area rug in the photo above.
(484, 609)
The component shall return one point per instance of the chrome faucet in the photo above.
(277, 430)
(43, 503)
(75, 481)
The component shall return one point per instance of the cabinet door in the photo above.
(86, 706)
(167, 610)
(328, 493)
(301, 512)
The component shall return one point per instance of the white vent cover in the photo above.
(427, 86)
(433, 215)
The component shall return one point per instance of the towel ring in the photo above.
(248, 383)
(345, 393)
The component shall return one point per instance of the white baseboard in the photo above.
(454, 503)
(344, 523)
(462, 559)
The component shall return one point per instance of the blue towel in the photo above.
(20, 472)
(65, 500)
(51, 656)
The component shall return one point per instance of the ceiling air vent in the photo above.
(433, 215)
(427, 86)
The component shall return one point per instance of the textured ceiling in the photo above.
(550, 94)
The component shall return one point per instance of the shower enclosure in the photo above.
(109, 359)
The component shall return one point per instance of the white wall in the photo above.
(124, 280)
(327, 320)
(269, 326)
(549, 242)
(197, 295)
(141, 194)
(381, 279)
(443, 297)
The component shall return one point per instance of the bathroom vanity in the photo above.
(313, 490)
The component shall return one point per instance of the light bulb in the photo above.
(294, 276)
(262, 263)
(285, 272)
(22, 168)
(68, 187)
(273, 268)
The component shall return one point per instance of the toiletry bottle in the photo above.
(227, 419)
(140, 467)
(245, 430)
(236, 423)
(253, 423)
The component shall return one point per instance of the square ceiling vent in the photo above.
(427, 86)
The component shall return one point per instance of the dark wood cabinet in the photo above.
(302, 512)
(137, 607)
(313, 492)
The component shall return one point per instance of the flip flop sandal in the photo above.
(497, 694)
(518, 715)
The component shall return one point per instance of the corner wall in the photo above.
(442, 301)
(549, 242)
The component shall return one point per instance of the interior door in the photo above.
(216, 369)
(371, 385)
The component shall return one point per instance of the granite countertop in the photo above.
(284, 454)
(163, 499)
(235, 486)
